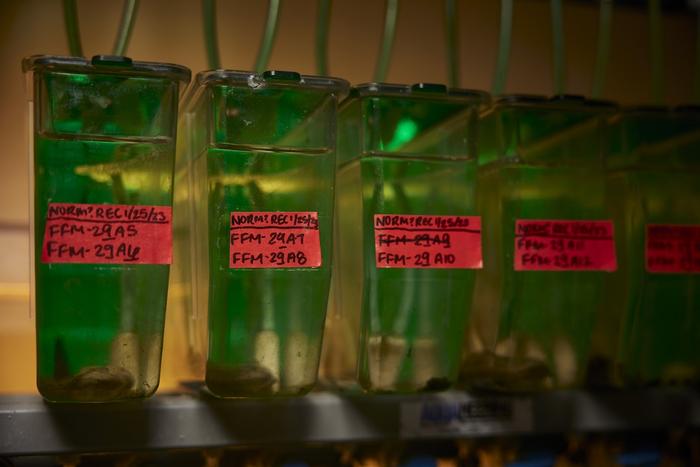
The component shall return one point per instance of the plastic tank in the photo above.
(650, 328)
(408, 235)
(549, 242)
(255, 185)
(103, 141)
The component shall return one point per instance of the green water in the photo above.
(408, 322)
(265, 325)
(532, 329)
(99, 326)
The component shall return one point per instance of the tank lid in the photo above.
(556, 101)
(106, 64)
(271, 79)
(418, 90)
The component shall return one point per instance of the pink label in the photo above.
(542, 245)
(409, 241)
(673, 248)
(274, 240)
(107, 234)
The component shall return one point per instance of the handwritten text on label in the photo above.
(413, 241)
(544, 245)
(673, 248)
(107, 234)
(274, 240)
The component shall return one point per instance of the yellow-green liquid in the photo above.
(532, 329)
(99, 326)
(265, 325)
(405, 325)
(660, 311)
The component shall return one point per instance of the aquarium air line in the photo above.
(452, 36)
(210, 38)
(499, 78)
(273, 9)
(322, 28)
(392, 11)
(696, 73)
(603, 51)
(558, 47)
(656, 52)
(126, 25)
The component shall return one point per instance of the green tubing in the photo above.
(499, 79)
(268, 37)
(452, 42)
(656, 49)
(210, 37)
(392, 10)
(696, 78)
(70, 17)
(126, 26)
(603, 53)
(558, 46)
(322, 28)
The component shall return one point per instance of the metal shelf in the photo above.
(30, 426)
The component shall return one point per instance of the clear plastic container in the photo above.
(408, 235)
(255, 183)
(103, 141)
(548, 242)
(651, 325)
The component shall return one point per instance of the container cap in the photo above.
(688, 109)
(576, 99)
(559, 101)
(646, 109)
(419, 90)
(106, 64)
(521, 99)
(691, 112)
(271, 79)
